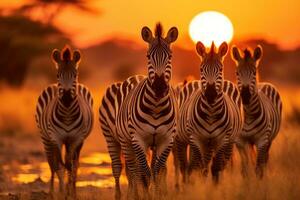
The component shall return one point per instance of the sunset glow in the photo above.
(250, 20)
(105, 99)
(211, 26)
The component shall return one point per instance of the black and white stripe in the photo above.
(262, 108)
(64, 116)
(210, 118)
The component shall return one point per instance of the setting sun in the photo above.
(211, 26)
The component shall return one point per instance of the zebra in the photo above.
(184, 91)
(108, 111)
(143, 115)
(64, 116)
(180, 85)
(209, 118)
(262, 108)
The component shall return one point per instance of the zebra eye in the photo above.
(148, 56)
(201, 70)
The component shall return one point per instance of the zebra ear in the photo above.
(147, 34)
(76, 56)
(235, 54)
(56, 56)
(200, 49)
(257, 53)
(172, 35)
(223, 49)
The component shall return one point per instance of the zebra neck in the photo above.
(67, 101)
(214, 108)
(254, 107)
(67, 114)
(151, 105)
(149, 94)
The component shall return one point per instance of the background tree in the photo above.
(22, 40)
(50, 9)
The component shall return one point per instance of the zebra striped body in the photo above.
(263, 115)
(262, 108)
(111, 102)
(179, 86)
(145, 123)
(59, 123)
(210, 119)
(109, 109)
(200, 124)
(64, 116)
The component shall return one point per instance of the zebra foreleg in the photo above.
(131, 171)
(114, 150)
(262, 158)
(176, 166)
(206, 154)
(144, 169)
(72, 163)
(76, 166)
(218, 164)
(51, 188)
(159, 171)
(55, 162)
(162, 180)
(195, 161)
(180, 162)
(242, 147)
(132, 184)
(161, 177)
(228, 153)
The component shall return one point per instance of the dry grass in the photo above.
(282, 180)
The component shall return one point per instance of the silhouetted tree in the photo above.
(50, 9)
(22, 40)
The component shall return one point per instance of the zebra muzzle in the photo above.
(245, 94)
(210, 93)
(160, 86)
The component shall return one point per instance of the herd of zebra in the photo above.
(144, 118)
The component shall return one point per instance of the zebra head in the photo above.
(67, 71)
(159, 58)
(246, 71)
(211, 70)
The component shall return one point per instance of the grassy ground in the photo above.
(282, 180)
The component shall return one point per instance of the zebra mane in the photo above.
(212, 49)
(185, 81)
(158, 30)
(247, 54)
(66, 53)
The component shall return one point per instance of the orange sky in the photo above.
(271, 19)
